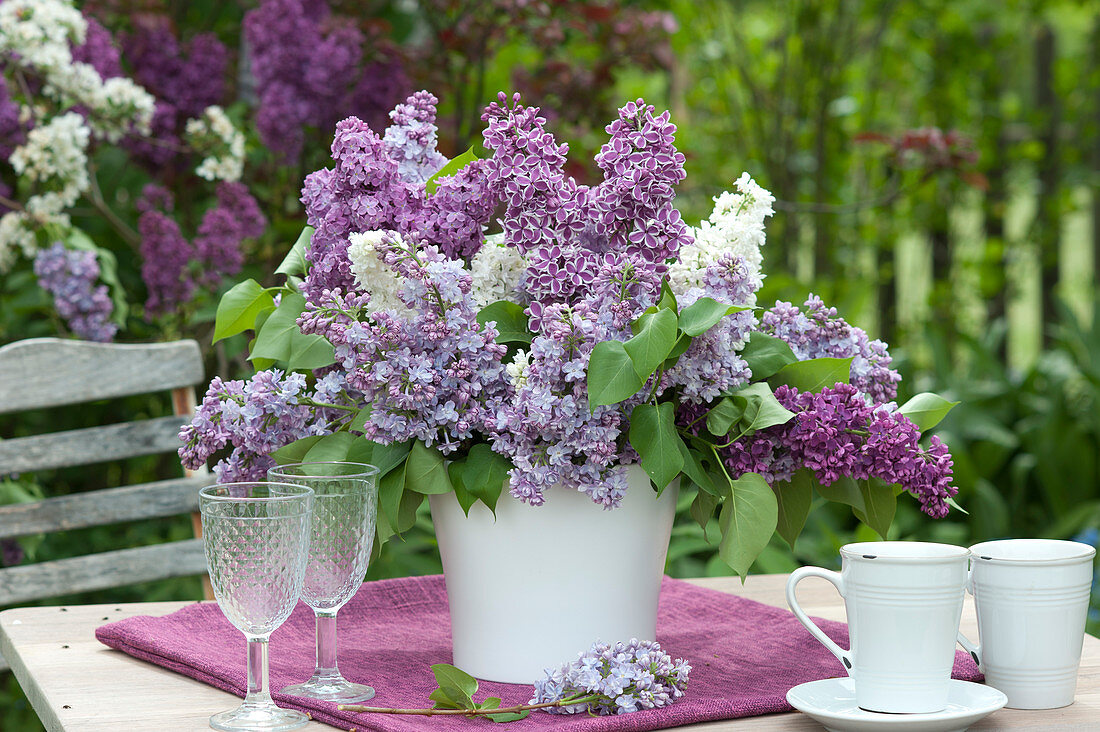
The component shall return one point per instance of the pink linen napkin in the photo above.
(744, 656)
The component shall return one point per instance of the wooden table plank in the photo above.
(78, 685)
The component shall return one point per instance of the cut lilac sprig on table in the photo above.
(607, 679)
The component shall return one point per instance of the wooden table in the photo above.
(78, 685)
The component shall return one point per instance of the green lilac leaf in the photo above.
(694, 469)
(926, 410)
(653, 435)
(456, 684)
(611, 375)
(425, 472)
(331, 448)
(296, 451)
(682, 344)
(843, 490)
(724, 414)
(766, 355)
(359, 421)
(748, 519)
(793, 500)
(769, 412)
(950, 501)
(667, 300)
(295, 263)
(702, 509)
(280, 339)
(388, 457)
(391, 490)
(880, 502)
(442, 701)
(450, 169)
(814, 374)
(239, 308)
(511, 322)
(456, 471)
(654, 341)
(703, 314)
(508, 716)
(492, 702)
(485, 474)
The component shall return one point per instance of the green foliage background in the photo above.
(987, 293)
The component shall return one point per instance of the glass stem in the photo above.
(326, 645)
(259, 692)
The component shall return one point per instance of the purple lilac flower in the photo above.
(362, 192)
(165, 254)
(12, 130)
(70, 276)
(411, 139)
(548, 430)
(712, 365)
(236, 217)
(836, 433)
(309, 72)
(185, 78)
(454, 217)
(615, 679)
(816, 331)
(11, 552)
(255, 418)
(563, 228)
(433, 373)
(99, 50)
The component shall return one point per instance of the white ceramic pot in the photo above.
(535, 586)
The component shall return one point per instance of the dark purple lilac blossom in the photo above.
(236, 217)
(615, 679)
(99, 50)
(71, 276)
(185, 78)
(816, 331)
(310, 72)
(836, 433)
(12, 130)
(165, 254)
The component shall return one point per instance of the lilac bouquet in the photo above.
(596, 329)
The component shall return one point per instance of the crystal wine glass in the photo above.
(257, 542)
(344, 514)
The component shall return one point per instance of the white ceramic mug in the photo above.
(1032, 597)
(904, 600)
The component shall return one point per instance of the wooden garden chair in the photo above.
(50, 372)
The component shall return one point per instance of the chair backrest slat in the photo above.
(81, 371)
(96, 508)
(42, 373)
(101, 571)
(91, 445)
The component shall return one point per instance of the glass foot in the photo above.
(259, 717)
(337, 689)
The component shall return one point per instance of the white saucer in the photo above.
(833, 703)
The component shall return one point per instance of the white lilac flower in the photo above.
(497, 272)
(735, 227)
(374, 277)
(517, 369)
(215, 135)
(37, 33)
(54, 159)
(121, 106)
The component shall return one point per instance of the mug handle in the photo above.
(845, 657)
(974, 649)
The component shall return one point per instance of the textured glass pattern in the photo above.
(256, 549)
